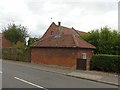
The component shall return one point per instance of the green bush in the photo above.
(19, 46)
(107, 63)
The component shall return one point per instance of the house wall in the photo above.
(6, 43)
(50, 31)
(89, 54)
(59, 56)
(54, 56)
(0, 42)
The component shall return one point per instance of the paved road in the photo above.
(18, 76)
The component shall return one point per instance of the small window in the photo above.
(51, 32)
(83, 55)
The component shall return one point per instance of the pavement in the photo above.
(97, 76)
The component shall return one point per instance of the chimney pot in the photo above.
(73, 28)
(59, 23)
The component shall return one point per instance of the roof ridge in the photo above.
(75, 41)
(87, 42)
(65, 27)
(76, 31)
(53, 23)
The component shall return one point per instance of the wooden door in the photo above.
(81, 64)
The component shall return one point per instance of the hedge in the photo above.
(107, 63)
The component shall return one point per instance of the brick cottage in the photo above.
(62, 46)
(4, 43)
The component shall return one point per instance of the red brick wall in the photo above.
(59, 56)
(0, 42)
(54, 56)
(6, 43)
(89, 54)
(52, 29)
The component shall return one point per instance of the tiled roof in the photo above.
(65, 37)
(66, 30)
(72, 41)
(63, 30)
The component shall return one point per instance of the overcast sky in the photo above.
(80, 14)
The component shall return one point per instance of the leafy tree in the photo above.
(114, 42)
(32, 40)
(15, 33)
(117, 47)
(107, 41)
(93, 38)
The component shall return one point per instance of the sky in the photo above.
(37, 15)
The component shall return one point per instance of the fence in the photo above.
(16, 54)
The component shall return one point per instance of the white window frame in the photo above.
(84, 56)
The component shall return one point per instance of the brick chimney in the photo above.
(58, 30)
(59, 25)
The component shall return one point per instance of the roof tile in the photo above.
(67, 37)
(63, 41)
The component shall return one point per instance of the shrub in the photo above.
(107, 63)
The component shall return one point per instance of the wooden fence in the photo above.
(16, 54)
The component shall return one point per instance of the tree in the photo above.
(32, 40)
(93, 38)
(117, 47)
(15, 33)
(107, 41)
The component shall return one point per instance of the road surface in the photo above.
(18, 76)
